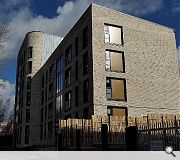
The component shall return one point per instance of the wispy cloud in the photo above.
(23, 20)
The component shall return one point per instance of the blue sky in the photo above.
(58, 16)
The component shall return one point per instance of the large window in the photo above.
(117, 111)
(27, 115)
(51, 72)
(50, 129)
(50, 110)
(42, 114)
(59, 78)
(50, 94)
(28, 83)
(76, 96)
(116, 89)
(76, 70)
(76, 46)
(68, 100)
(113, 34)
(30, 48)
(68, 77)
(85, 37)
(68, 55)
(28, 99)
(27, 130)
(29, 67)
(85, 63)
(115, 61)
(42, 97)
(85, 91)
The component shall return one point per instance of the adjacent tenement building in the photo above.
(109, 63)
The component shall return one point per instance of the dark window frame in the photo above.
(125, 91)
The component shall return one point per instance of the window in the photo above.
(28, 99)
(85, 63)
(86, 113)
(42, 97)
(117, 111)
(115, 89)
(30, 52)
(42, 82)
(50, 129)
(27, 115)
(85, 91)
(58, 104)
(46, 95)
(28, 83)
(76, 46)
(85, 37)
(115, 61)
(45, 113)
(76, 70)
(76, 115)
(68, 77)
(76, 96)
(50, 95)
(113, 34)
(29, 70)
(59, 78)
(42, 113)
(41, 132)
(50, 110)
(51, 72)
(45, 131)
(68, 55)
(46, 77)
(27, 130)
(68, 100)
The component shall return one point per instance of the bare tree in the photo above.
(3, 36)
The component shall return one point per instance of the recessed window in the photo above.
(45, 113)
(42, 114)
(51, 72)
(27, 115)
(76, 46)
(28, 99)
(115, 61)
(76, 96)
(41, 132)
(85, 91)
(28, 83)
(42, 82)
(117, 111)
(42, 97)
(86, 113)
(68, 77)
(50, 129)
(50, 94)
(115, 89)
(45, 131)
(85, 63)
(30, 52)
(50, 110)
(68, 55)
(113, 34)
(85, 37)
(76, 70)
(27, 131)
(29, 65)
(59, 78)
(68, 100)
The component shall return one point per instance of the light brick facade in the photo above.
(150, 72)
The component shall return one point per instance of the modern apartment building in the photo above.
(109, 63)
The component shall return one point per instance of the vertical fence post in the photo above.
(78, 140)
(104, 137)
(149, 132)
(177, 135)
(164, 132)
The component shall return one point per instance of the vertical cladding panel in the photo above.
(50, 43)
